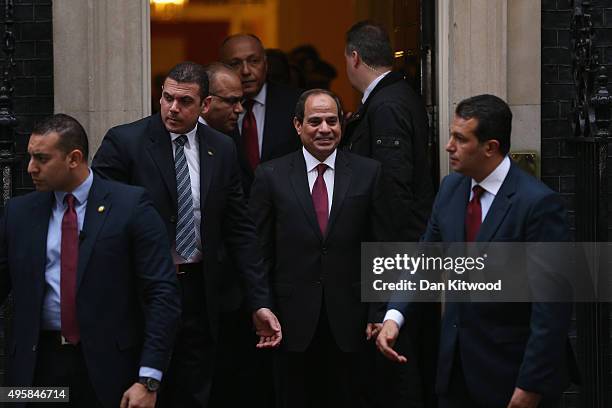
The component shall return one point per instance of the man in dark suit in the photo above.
(265, 129)
(493, 354)
(192, 174)
(313, 208)
(391, 126)
(240, 364)
(95, 294)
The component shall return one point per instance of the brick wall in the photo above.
(33, 84)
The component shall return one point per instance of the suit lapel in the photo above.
(458, 204)
(207, 157)
(342, 181)
(269, 130)
(499, 208)
(98, 206)
(160, 150)
(299, 182)
(39, 226)
(242, 158)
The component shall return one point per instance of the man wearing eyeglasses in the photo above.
(265, 128)
(223, 105)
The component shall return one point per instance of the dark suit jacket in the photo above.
(503, 345)
(310, 271)
(140, 153)
(279, 135)
(127, 294)
(392, 127)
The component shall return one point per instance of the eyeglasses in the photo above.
(232, 100)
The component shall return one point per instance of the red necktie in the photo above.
(69, 257)
(473, 216)
(320, 199)
(249, 134)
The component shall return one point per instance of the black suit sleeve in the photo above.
(110, 161)
(157, 283)
(241, 239)
(261, 210)
(379, 232)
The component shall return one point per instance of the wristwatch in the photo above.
(151, 384)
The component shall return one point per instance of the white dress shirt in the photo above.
(372, 85)
(491, 184)
(259, 110)
(192, 155)
(328, 176)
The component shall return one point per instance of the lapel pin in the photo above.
(101, 209)
(210, 153)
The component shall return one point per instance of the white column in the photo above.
(472, 56)
(102, 69)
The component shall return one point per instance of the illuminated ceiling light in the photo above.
(398, 54)
(167, 9)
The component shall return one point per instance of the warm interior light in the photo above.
(164, 2)
(398, 54)
(167, 9)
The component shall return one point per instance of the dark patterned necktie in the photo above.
(320, 198)
(69, 258)
(185, 227)
(249, 134)
(473, 215)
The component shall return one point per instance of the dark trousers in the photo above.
(322, 376)
(188, 381)
(60, 365)
(243, 373)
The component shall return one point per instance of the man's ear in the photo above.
(298, 125)
(206, 105)
(492, 147)
(75, 157)
(355, 58)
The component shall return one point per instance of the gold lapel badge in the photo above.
(101, 209)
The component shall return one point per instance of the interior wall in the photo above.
(323, 24)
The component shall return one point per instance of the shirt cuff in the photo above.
(150, 372)
(396, 316)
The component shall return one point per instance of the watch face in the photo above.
(151, 384)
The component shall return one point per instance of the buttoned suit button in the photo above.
(173, 219)
(324, 250)
(34, 348)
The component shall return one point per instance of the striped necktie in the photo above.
(185, 227)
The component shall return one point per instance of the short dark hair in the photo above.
(494, 119)
(192, 73)
(301, 103)
(215, 68)
(72, 136)
(371, 42)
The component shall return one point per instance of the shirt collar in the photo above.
(190, 135)
(260, 98)
(492, 183)
(372, 85)
(80, 193)
(202, 121)
(312, 162)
